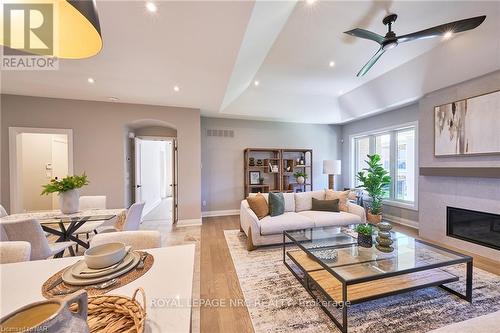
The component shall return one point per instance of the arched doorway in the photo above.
(152, 169)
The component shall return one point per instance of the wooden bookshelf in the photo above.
(288, 161)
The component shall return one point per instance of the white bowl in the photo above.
(104, 255)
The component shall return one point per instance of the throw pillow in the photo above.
(258, 204)
(276, 204)
(325, 205)
(341, 195)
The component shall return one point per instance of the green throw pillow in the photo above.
(276, 204)
(325, 205)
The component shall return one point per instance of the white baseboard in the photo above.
(213, 213)
(188, 223)
(402, 221)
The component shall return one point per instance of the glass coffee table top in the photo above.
(353, 262)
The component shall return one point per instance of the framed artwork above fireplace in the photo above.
(468, 126)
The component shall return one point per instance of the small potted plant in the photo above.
(300, 176)
(67, 189)
(261, 180)
(375, 180)
(365, 232)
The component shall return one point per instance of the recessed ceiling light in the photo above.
(113, 99)
(448, 34)
(150, 6)
(177, 89)
(341, 92)
(256, 83)
(310, 2)
(90, 80)
(331, 63)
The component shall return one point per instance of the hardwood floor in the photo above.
(220, 282)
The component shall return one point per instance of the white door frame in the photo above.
(13, 167)
(174, 169)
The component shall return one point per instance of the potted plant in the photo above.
(261, 180)
(300, 176)
(67, 189)
(375, 180)
(365, 232)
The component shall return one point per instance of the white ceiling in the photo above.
(215, 50)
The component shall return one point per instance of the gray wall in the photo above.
(435, 193)
(100, 140)
(392, 118)
(222, 158)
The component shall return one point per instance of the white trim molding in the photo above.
(214, 213)
(402, 221)
(188, 223)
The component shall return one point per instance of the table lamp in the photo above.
(331, 168)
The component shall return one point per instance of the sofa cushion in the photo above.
(258, 204)
(276, 204)
(271, 225)
(325, 205)
(324, 219)
(289, 200)
(303, 200)
(341, 195)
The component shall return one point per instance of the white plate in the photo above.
(68, 277)
(81, 266)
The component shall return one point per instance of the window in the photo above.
(397, 149)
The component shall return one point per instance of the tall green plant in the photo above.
(375, 180)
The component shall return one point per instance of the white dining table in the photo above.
(168, 286)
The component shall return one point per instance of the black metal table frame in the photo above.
(67, 234)
(344, 303)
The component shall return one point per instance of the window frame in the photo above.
(392, 130)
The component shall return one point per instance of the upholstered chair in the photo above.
(132, 221)
(139, 240)
(31, 231)
(3, 212)
(90, 202)
(16, 251)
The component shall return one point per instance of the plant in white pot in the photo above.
(67, 189)
(300, 176)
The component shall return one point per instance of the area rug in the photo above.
(277, 302)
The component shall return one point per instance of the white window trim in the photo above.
(352, 159)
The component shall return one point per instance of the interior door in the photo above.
(175, 188)
(137, 178)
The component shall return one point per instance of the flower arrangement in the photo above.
(66, 184)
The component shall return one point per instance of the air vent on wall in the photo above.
(223, 133)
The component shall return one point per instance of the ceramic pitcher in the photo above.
(52, 316)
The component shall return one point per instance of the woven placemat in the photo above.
(124, 279)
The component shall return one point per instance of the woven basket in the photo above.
(112, 313)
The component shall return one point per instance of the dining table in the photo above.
(68, 224)
(168, 286)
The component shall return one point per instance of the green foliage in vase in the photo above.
(65, 184)
(300, 174)
(365, 229)
(375, 180)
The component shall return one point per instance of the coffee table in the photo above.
(359, 274)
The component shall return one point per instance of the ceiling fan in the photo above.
(391, 40)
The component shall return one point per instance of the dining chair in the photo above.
(132, 220)
(31, 231)
(16, 251)
(3, 235)
(139, 239)
(3, 212)
(90, 202)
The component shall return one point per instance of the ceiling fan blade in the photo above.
(362, 33)
(371, 62)
(440, 30)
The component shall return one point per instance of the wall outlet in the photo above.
(204, 203)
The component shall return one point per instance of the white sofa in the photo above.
(298, 215)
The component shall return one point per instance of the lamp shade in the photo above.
(332, 167)
(67, 29)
